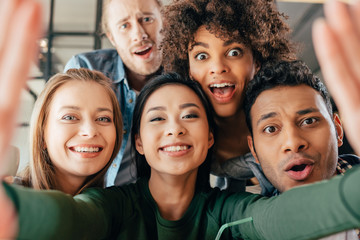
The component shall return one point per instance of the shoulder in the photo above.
(350, 158)
(101, 60)
(100, 53)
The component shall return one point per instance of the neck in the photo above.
(68, 183)
(138, 81)
(224, 122)
(232, 137)
(182, 188)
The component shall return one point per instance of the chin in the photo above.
(224, 113)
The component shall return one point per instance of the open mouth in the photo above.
(222, 90)
(175, 148)
(298, 168)
(300, 172)
(143, 51)
(86, 149)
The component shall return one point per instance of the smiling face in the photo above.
(79, 132)
(295, 139)
(134, 29)
(174, 132)
(223, 68)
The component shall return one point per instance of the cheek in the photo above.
(111, 137)
(195, 70)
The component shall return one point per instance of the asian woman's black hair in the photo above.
(142, 167)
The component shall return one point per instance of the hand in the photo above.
(20, 22)
(337, 46)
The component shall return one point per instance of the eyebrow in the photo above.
(273, 114)
(120, 21)
(77, 108)
(182, 106)
(205, 45)
(266, 116)
(128, 17)
(306, 111)
(187, 105)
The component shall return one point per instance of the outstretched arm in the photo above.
(19, 28)
(337, 46)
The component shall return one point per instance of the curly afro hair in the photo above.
(255, 23)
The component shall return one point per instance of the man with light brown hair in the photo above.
(134, 29)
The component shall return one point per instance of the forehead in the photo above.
(205, 36)
(173, 95)
(82, 92)
(288, 101)
(125, 8)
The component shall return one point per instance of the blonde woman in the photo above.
(73, 128)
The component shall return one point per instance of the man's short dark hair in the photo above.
(284, 73)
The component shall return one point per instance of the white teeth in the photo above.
(86, 149)
(175, 148)
(221, 85)
(143, 50)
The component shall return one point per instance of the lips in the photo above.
(175, 150)
(222, 92)
(299, 169)
(86, 151)
(143, 51)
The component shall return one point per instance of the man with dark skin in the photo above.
(294, 134)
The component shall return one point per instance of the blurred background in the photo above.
(72, 26)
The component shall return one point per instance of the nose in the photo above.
(175, 129)
(294, 141)
(88, 129)
(138, 33)
(218, 66)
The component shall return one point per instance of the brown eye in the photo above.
(270, 129)
(235, 52)
(309, 121)
(201, 56)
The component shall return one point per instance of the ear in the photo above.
(339, 129)
(252, 149)
(111, 39)
(211, 140)
(138, 144)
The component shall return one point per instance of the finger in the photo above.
(355, 13)
(15, 64)
(334, 65)
(343, 86)
(340, 20)
(7, 9)
(20, 51)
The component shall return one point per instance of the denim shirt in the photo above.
(109, 62)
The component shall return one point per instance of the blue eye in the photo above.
(69, 117)
(104, 119)
(123, 26)
(148, 19)
(201, 56)
(270, 129)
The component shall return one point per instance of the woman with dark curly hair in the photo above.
(222, 44)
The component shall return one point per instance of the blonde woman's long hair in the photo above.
(40, 174)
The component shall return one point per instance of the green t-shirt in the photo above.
(131, 213)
